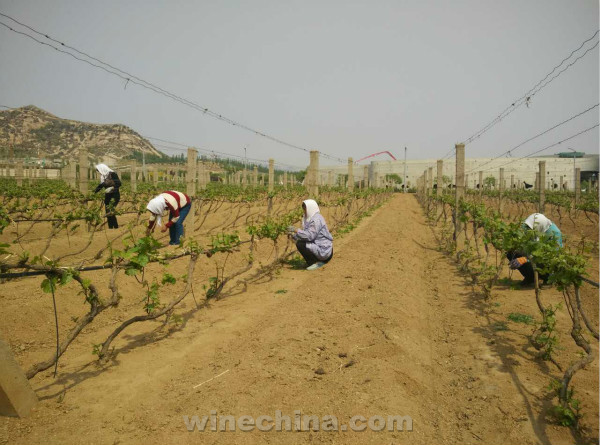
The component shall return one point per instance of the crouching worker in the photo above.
(518, 258)
(314, 242)
(110, 182)
(178, 204)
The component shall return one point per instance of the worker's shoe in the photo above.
(315, 266)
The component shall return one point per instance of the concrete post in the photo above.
(83, 171)
(350, 174)
(430, 181)
(202, 175)
(460, 186)
(73, 174)
(133, 175)
(313, 187)
(480, 182)
(255, 177)
(512, 182)
(192, 160)
(191, 187)
(561, 183)
(500, 195)
(272, 175)
(577, 185)
(285, 180)
(536, 186)
(19, 172)
(440, 177)
(542, 185)
(16, 396)
(366, 176)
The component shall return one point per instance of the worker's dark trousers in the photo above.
(110, 203)
(527, 268)
(308, 256)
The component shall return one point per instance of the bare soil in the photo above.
(389, 324)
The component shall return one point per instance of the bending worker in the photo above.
(518, 258)
(179, 205)
(314, 242)
(110, 182)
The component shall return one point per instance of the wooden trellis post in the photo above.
(285, 180)
(561, 183)
(255, 176)
(480, 183)
(366, 176)
(512, 182)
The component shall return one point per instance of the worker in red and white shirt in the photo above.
(178, 204)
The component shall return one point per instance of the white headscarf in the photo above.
(312, 208)
(157, 206)
(538, 222)
(104, 171)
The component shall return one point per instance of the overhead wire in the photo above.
(127, 77)
(526, 98)
(511, 150)
(544, 148)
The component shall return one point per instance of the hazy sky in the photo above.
(347, 78)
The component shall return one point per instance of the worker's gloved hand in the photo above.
(517, 262)
(291, 230)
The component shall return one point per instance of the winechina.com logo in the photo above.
(297, 422)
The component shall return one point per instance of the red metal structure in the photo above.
(375, 154)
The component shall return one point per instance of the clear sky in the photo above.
(348, 78)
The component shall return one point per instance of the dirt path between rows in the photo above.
(389, 324)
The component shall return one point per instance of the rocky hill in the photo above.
(33, 132)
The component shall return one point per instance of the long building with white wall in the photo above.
(521, 169)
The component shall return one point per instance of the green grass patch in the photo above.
(520, 318)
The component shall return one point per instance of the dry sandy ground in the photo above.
(390, 326)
